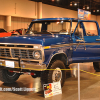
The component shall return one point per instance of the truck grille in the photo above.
(5, 52)
(22, 53)
(14, 51)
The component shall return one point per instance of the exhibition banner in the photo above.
(52, 89)
(85, 15)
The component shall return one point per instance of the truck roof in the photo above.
(52, 19)
(59, 19)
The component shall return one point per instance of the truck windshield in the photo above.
(47, 27)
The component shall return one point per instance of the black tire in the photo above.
(34, 76)
(7, 76)
(96, 66)
(47, 76)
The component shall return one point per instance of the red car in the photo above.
(4, 33)
(21, 31)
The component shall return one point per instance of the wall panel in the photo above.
(3, 22)
(19, 22)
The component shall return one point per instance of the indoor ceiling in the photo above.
(90, 5)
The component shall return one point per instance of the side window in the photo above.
(90, 28)
(74, 26)
(79, 31)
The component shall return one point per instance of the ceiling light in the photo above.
(93, 10)
(75, 4)
(57, 0)
(97, 10)
(83, 7)
(87, 7)
(53, 0)
(71, 4)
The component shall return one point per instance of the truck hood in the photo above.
(44, 40)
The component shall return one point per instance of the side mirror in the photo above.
(80, 31)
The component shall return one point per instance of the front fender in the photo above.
(50, 53)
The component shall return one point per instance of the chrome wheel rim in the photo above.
(57, 75)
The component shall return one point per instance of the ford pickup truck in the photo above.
(49, 46)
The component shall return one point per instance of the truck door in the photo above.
(86, 42)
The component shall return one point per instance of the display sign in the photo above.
(82, 14)
(52, 89)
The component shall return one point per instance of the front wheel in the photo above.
(8, 77)
(96, 66)
(55, 74)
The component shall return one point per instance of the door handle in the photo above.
(97, 39)
(79, 40)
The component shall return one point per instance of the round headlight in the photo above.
(37, 55)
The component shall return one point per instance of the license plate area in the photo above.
(10, 64)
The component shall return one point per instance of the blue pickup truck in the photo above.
(49, 46)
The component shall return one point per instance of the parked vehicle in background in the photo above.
(21, 31)
(4, 33)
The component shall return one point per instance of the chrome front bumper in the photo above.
(23, 65)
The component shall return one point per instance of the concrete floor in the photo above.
(90, 86)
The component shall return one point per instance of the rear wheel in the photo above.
(55, 74)
(8, 77)
(96, 66)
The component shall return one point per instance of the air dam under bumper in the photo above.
(9, 64)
